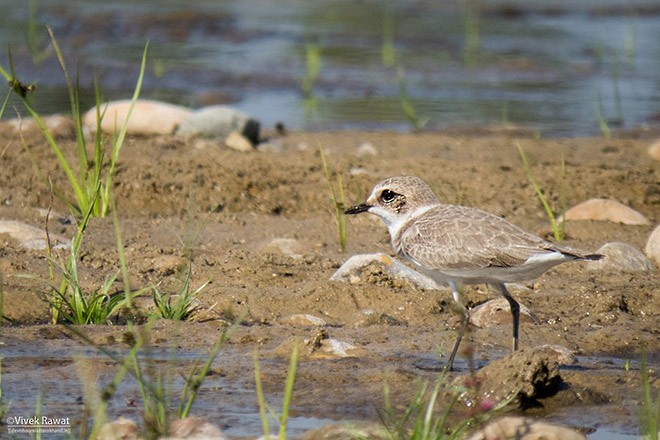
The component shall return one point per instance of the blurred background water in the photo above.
(561, 67)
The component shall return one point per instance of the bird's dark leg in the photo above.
(515, 311)
(464, 324)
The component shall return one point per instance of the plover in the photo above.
(457, 245)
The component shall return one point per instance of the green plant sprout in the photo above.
(558, 227)
(339, 201)
(313, 67)
(387, 51)
(283, 418)
(406, 104)
(650, 410)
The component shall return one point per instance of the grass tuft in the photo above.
(181, 306)
(89, 177)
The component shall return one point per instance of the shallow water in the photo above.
(556, 67)
(52, 376)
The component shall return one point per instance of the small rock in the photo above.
(366, 149)
(522, 428)
(30, 237)
(522, 376)
(319, 346)
(238, 142)
(652, 248)
(563, 355)
(59, 126)
(194, 428)
(620, 257)
(353, 269)
(148, 117)
(606, 209)
(349, 431)
(166, 265)
(271, 146)
(288, 246)
(495, 312)
(358, 171)
(654, 150)
(369, 317)
(218, 122)
(120, 429)
(303, 320)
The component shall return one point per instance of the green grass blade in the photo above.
(260, 396)
(288, 391)
(539, 193)
(119, 141)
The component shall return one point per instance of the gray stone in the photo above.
(194, 428)
(30, 237)
(218, 122)
(353, 269)
(238, 142)
(652, 248)
(620, 257)
(349, 431)
(148, 117)
(122, 428)
(496, 312)
(523, 428)
(654, 150)
(303, 320)
(606, 209)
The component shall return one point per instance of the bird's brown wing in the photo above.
(456, 237)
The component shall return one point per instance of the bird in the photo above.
(457, 245)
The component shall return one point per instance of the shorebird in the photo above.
(457, 245)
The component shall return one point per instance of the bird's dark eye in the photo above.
(388, 196)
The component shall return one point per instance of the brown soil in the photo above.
(168, 189)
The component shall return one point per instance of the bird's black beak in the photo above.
(357, 209)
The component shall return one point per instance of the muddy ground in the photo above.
(261, 227)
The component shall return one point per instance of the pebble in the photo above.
(352, 270)
(59, 126)
(287, 246)
(218, 122)
(496, 312)
(122, 428)
(652, 248)
(271, 146)
(238, 142)
(524, 428)
(620, 257)
(194, 428)
(563, 355)
(303, 320)
(606, 209)
(31, 237)
(349, 431)
(148, 117)
(366, 149)
(319, 346)
(654, 150)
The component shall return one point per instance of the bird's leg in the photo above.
(464, 324)
(515, 311)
